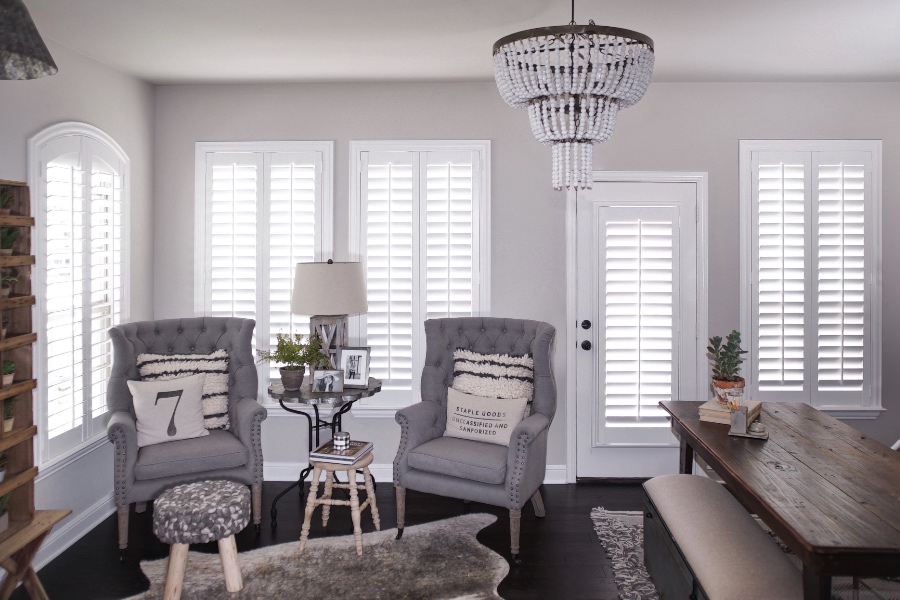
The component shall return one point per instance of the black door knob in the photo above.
(585, 324)
(585, 345)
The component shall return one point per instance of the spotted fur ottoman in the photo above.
(196, 513)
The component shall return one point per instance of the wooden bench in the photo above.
(700, 543)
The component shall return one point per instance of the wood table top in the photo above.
(828, 490)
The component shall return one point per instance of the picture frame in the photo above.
(354, 364)
(327, 380)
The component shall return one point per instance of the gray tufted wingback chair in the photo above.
(477, 471)
(142, 474)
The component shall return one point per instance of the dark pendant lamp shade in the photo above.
(23, 54)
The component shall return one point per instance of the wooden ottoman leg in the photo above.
(175, 574)
(230, 566)
(310, 507)
(326, 508)
(354, 511)
(370, 491)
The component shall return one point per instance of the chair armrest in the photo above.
(122, 431)
(527, 459)
(419, 423)
(247, 426)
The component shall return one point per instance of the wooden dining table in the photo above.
(830, 492)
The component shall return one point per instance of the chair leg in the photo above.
(538, 503)
(256, 501)
(515, 519)
(178, 554)
(123, 529)
(310, 507)
(326, 508)
(401, 508)
(354, 512)
(140, 507)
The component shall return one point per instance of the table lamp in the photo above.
(329, 292)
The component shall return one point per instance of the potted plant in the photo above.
(6, 282)
(4, 511)
(726, 359)
(9, 416)
(2, 466)
(294, 354)
(8, 237)
(6, 198)
(9, 372)
(4, 327)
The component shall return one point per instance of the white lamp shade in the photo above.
(329, 289)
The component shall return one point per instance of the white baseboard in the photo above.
(72, 529)
(289, 471)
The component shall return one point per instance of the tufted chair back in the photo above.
(488, 335)
(198, 335)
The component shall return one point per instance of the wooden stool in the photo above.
(196, 513)
(326, 501)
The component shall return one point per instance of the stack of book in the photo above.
(327, 453)
(714, 411)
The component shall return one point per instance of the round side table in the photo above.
(299, 402)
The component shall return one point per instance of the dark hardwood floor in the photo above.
(561, 557)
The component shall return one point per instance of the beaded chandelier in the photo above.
(573, 79)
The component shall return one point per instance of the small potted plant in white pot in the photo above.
(9, 372)
(6, 282)
(8, 237)
(726, 360)
(4, 327)
(2, 466)
(294, 354)
(4, 511)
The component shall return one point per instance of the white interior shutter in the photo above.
(391, 209)
(781, 300)
(639, 258)
(106, 274)
(293, 197)
(64, 300)
(841, 182)
(233, 184)
(449, 248)
(79, 240)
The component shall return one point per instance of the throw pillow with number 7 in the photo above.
(170, 410)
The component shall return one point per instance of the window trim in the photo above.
(482, 227)
(323, 251)
(35, 183)
(873, 406)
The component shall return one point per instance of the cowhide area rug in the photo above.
(440, 560)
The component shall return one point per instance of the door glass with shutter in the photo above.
(637, 281)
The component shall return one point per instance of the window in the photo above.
(80, 180)
(262, 207)
(811, 256)
(420, 227)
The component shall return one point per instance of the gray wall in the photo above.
(686, 126)
(122, 106)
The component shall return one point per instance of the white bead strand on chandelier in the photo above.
(573, 79)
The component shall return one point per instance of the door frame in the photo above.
(701, 179)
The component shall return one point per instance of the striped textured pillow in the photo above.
(162, 367)
(493, 375)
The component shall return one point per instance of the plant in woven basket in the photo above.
(726, 360)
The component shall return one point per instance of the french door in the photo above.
(640, 271)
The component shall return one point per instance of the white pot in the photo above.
(2, 474)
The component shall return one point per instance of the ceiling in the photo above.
(213, 41)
